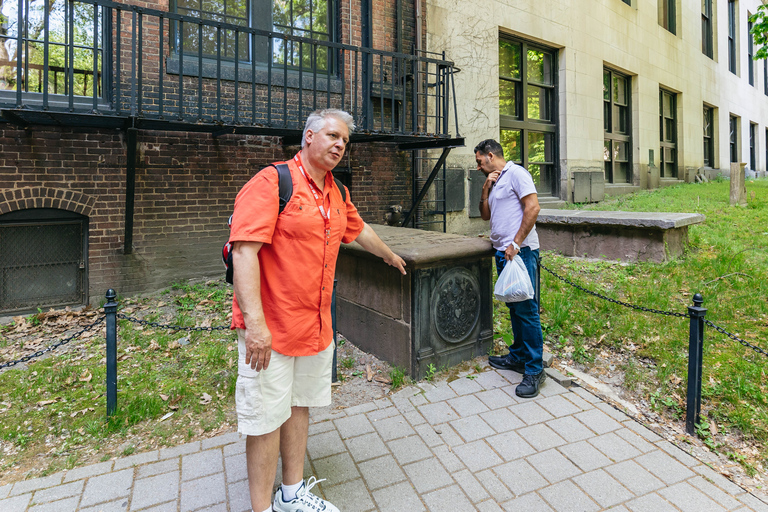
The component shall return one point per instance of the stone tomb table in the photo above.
(440, 313)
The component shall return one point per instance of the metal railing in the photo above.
(153, 66)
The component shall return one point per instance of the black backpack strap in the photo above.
(285, 184)
(342, 189)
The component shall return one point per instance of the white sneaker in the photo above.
(305, 501)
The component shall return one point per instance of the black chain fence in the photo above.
(171, 327)
(53, 346)
(655, 311)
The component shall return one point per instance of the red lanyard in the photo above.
(318, 196)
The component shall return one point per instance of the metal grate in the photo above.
(41, 265)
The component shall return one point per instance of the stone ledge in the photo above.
(660, 220)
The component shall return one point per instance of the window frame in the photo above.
(707, 47)
(733, 138)
(260, 17)
(667, 141)
(61, 99)
(521, 121)
(732, 37)
(709, 136)
(750, 53)
(668, 15)
(752, 146)
(610, 135)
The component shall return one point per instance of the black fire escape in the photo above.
(119, 66)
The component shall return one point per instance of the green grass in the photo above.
(727, 262)
(61, 399)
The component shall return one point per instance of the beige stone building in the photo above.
(601, 97)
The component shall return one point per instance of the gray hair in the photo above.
(316, 121)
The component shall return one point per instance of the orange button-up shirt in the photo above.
(298, 256)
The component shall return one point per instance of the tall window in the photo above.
(628, 2)
(617, 150)
(304, 18)
(527, 111)
(709, 143)
(71, 37)
(750, 53)
(667, 15)
(733, 124)
(668, 133)
(706, 28)
(732, 36)
(752, 146)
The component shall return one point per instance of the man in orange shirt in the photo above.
(284, 270)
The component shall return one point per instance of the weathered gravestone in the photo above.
(738, 185)
(440, 313)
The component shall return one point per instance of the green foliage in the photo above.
(760, 31)
(348, 362)
(397, 376)
(430, 374)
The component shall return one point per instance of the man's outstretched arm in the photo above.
(371, 242)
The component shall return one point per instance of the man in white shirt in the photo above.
(509, 200)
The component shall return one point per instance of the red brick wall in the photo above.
(186, 184)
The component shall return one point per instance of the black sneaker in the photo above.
(529, 388)
(506, 363)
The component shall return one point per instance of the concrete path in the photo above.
(470, 445)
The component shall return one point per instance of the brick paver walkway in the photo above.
(468, 445)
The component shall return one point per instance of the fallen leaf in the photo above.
(174, 345)
(163, 397)
(368, 373)
(713, 427)
(86, 376)
(43, 403)
(123, 357)
(205, 399)
(578, 330)
(166, 416)
(382, 380)
(154, 345)
(675, 380)
(230, 348)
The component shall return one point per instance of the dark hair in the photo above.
(490, 146)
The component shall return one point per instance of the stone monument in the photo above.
(440, 313)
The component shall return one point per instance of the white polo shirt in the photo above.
(514, 183)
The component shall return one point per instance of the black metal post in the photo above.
(695, 359)
(110, 310)
(334, 377)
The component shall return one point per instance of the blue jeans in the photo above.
(528, 346)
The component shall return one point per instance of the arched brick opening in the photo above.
(45, 197)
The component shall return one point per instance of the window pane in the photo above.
(707, 122)
(539, 147)
(535, 171)
(620, 90)
(607, 116)
(537, 103)
(606, 85)
(539, 67)
(607, 153)
(507, 98)
(509, 59)
(510, 141)
(668, 110)
(620, 119)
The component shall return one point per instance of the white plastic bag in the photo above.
(514, 283)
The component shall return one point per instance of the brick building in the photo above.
(128, 128)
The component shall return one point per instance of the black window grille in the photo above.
(733, 124)
(617, 125)
(39, 39)
(752, 146)
(668, 133)
(42, 259)
(709, 143)
(706, 28)
(732, 36)
(528, 109)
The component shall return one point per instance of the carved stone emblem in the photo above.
(456, 305)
